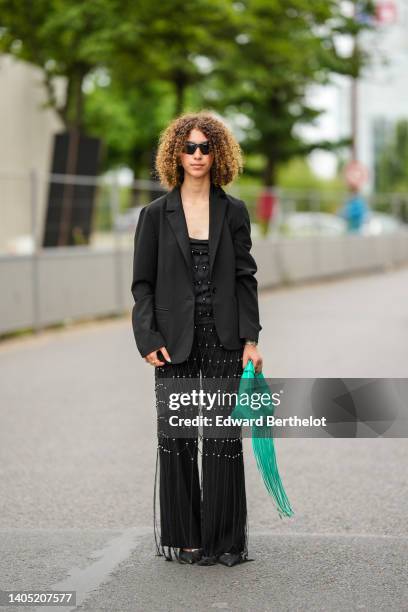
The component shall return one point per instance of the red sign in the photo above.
(386, 12)
(356, 174)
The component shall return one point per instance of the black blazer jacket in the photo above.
(162, 285)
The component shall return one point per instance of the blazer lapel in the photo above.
(175, 215)
(218, 206)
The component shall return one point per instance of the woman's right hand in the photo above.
(153, 359)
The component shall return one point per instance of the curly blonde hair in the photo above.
(228, 157)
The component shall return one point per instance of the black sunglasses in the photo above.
(191, 147)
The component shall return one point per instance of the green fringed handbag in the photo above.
(262, 435)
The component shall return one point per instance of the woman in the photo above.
(196, 318)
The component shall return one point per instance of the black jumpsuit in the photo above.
(207, 511)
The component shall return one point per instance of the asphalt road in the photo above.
(77, 459)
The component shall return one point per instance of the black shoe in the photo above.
(230, 559)
(189, 556)
(207, 560)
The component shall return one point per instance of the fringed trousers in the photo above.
(204, 509)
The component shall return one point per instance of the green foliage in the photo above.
(132, 66)
(282, 49)
(129, 120)
(297, 174)
(311, 191)
(63, 37)
(392, 162)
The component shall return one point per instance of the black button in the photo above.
(214, 289)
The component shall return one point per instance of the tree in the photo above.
(182, 39)
(66, 38)
(283, 48)
(138, 64)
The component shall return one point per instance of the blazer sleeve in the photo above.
(246, 282)
(147, 337)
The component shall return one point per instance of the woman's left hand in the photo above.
(251, 352)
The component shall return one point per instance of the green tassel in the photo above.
(264, 452)
(262, 440)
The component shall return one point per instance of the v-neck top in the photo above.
(202, 284)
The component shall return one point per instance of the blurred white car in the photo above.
(380, 223)
(324, 224)
(311, 224)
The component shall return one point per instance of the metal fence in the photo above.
(110, 206)
(89, 275)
